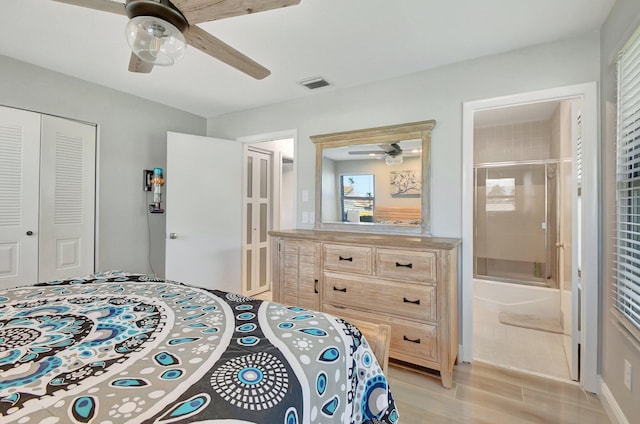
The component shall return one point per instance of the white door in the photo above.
(203, 211)
(257, 223)
(67, 199)
(568, 245)
(576, 236)
(19, 159)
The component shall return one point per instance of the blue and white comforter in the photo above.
(114, 348)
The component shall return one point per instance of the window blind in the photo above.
(627, 276)
(579, 152)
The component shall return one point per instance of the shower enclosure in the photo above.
(516, 222)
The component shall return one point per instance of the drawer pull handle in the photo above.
(407, 339)
(350, 259)
(344, 290)
(415, 302)
(315, 286)
(398, 264)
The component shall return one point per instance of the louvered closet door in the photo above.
(19, 159)
(67, 199)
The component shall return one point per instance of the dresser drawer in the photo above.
(406, 265)
(411, 301)
(416, 340)
(408, 339)
(351, 259)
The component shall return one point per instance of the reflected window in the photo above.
(501, 194)
(357, 197)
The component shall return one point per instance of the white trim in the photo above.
(277, 135)
(611, 407)
(623, 40)
(96, 224)
(591, 208)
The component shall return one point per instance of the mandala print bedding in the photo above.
(115, 348)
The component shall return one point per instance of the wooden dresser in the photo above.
(408, 282)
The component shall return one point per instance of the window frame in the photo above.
(626, 281)
(371, 198)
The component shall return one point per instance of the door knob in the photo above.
(29, 233)
(559, 244)
(173, 236)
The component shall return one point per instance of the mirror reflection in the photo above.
(374, 179)
(377, 183)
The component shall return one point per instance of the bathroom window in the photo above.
(501, 194)
(627, 259)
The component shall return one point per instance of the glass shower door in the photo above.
(511, 238)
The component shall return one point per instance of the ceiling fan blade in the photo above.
(103, 5)
(390, 147)
(198, 11)
(366, 152)
(138, 65)
(202, 40)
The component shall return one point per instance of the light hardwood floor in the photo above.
(487, 394)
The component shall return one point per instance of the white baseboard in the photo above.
(611, 406)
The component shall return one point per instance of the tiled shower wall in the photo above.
(513, 142)
(507, 254)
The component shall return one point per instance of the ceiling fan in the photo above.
(392, 152)
(159, 30)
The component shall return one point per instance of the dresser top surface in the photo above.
(391, 240)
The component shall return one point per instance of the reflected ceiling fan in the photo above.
(393, 153)
(159, 30)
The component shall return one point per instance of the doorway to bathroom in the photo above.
(526, 178)
(519, 204)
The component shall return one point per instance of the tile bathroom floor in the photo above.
(533, 351)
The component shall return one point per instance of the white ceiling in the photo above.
(348, 42)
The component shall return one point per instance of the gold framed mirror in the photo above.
(374, 179)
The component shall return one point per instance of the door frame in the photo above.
(591, 211)
(252, 142)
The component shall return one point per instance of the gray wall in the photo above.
(616, 346)
(132, 137)
(434, 94)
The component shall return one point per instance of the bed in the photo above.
(397, 215)
(116, 347)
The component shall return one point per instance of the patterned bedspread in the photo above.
(114, 348)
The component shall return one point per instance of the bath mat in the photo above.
(533, 322)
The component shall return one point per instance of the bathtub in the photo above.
(494, 296)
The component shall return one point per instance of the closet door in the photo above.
(67, 199)
(257, 209)
(19, 159)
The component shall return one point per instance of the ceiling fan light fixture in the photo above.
(155, 40)
(393, 160)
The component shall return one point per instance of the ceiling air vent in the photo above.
(314, 83)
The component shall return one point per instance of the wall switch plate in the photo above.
(627, 374)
